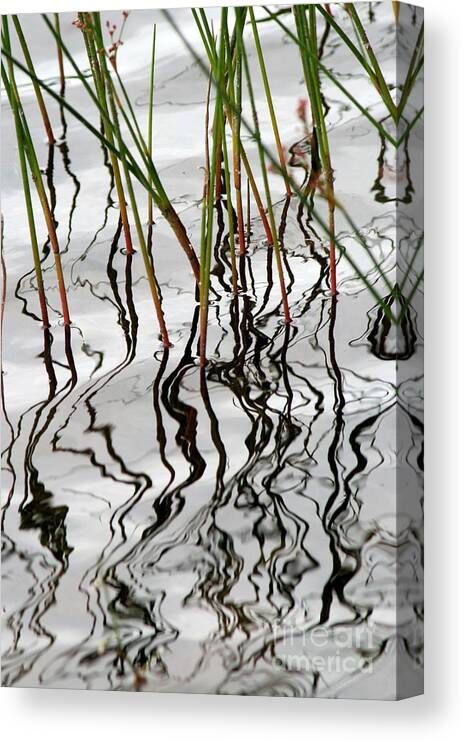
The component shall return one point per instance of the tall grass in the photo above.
(232, 112)
(269, 98)
(150, 121)
(300, 193)
(36, 86)
(26, 145)
(209, 194)
(140, 170)
(261, 153)
(235, 93)
(96, 63)
(28, 201)
(232, 92)
(109, 94)
(308, 43)
(61, 67)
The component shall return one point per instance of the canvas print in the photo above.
(212, 343)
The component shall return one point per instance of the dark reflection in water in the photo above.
(244, 519)
(253, 526)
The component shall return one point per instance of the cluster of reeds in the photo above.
(28, 157)
(229, 179)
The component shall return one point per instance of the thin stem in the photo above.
(130, 189)
(416, 64)
(205, 265)
(308, 39)
(60, 55)
(269, 98)
(227, 178)
(276, 247)
(150, 122)
(29, 207)
(36, 86)
(35, 172)
(235, 93)
(361, 273)
(209, 44)
(334, 80)
(87, 31)
(381, 82)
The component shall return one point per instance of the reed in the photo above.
(327, 73)
(28, 202)
(131, 152)
(229, 206)
(276, 247)
(159, 194)
(367, 57)
(86, 26)
(36, 86)
(110, 95)
(234, 86)
(235, 93)
(269, 99)
(414, 69)
(360, 272)
(150, 120)
(381, 84)
(307, 34)
(231, 108)
(209, 197)
(61, 67)
(29, 150)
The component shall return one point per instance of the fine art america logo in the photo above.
(344, 651)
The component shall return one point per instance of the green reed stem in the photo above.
(107, 139)
(269, 99)
(235, 93)
(60, 55)
(28, 202)
(227, 178)
(375, 76)
(150, 122)
(322, 136)
(334, 80)
(205, 36)
(108, 91)
(206, 253)
(36, 172)
(37, 90)
(380, 80)
(206, 182)
(97, 74)
(276, 247)
(361, 273)
(307, 35)
(348, 42)
(229, 100)
(416, 64)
